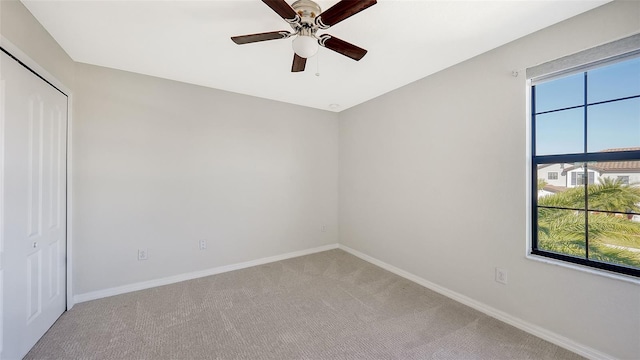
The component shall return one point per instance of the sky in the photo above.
(611, 125)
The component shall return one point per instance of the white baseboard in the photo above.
(538, 331)
(194, 275)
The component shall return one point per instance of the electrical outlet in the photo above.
(501, 275)
(323, 228)
(142, 254)
(203, 244)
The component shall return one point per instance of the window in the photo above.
(578, 178)
(624, 180)
(589, 119)
(552, 175)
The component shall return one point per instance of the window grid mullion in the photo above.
(534, 171)
(586, 175)
(589, 104)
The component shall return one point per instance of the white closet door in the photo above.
(33, 125)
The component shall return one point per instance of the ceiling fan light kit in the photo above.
(306, 18)
(305, 46)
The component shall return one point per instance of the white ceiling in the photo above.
(189, 41)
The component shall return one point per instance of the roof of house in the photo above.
(621, 149)
(617, 166)
(612, 166)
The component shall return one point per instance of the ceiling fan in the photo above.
(306, 18)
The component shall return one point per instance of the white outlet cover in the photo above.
(501, 275)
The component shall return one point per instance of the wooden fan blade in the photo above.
(282, 8)
(341, 11)
(273, 35)
(342, 47)
(298, 63)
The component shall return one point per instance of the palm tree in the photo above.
(607, 195)
(564, 231)
(610, 235)
(613, 195)
(541, 184)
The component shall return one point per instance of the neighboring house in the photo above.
(553, 174)
(627, 171)
(560, 177)
(568, 176)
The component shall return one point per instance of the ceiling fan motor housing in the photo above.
(307, 10)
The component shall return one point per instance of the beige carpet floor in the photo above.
(329, 305)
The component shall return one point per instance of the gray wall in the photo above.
(161, 165)
(432, 181)
(20, 27)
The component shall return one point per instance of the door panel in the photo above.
(34, 122)
(54, 270)
(34, 293)
(34, 204)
